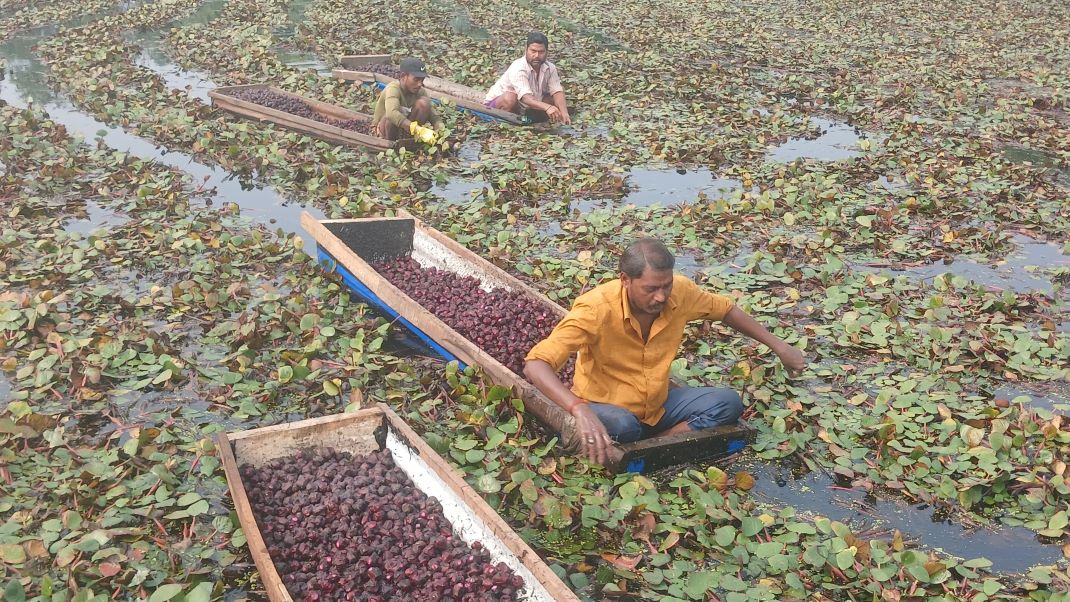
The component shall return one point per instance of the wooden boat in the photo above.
(366, 431)
(223, 98)
(466, 98)
(350, 246)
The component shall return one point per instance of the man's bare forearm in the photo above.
(544, 378)
(530, 101)
(743, 323)
(559, 101)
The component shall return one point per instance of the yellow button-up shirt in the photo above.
(614, 364)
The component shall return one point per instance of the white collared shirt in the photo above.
(521, 79)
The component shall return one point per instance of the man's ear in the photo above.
(625, 279)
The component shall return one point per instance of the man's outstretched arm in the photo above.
(743, 323)
(594, 439)
(559, 102)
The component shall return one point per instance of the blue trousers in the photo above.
(700, 407)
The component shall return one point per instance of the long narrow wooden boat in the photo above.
(354, 68)
(224, 98)
(350, 247)
(363, 432)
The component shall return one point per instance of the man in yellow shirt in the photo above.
(626, 333)
(404, 108)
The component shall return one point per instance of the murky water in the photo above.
(1052, 398)
(463, 188)
(96, 217)
(1011, 549)
(195, 83)
(836, 141)
(460, 190)
(302, 60)
(668, 186)
(1020, 272)
(27, 83)
(293, 51)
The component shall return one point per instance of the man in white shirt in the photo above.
(531, 85)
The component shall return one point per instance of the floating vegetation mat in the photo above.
(884, 185)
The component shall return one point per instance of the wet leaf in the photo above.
(489, 484)
(14, 592)
(12, 553)
(744, 481)
(165, 592)
(625, 562)
(717, 478)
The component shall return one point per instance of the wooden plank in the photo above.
(260, 446)
(355, 61)
(224, 99)
(455, 89)
(660, 452)
(558, 590)
(273, 585)
(302, 124)
(715, 442)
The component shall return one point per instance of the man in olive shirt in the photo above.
(404, 107)
(626, 333)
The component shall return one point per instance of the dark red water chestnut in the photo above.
(350, 528)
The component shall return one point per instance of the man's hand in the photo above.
(565, 118)
(553, 113)
(793, 359)
(594, 440)
(421, 133)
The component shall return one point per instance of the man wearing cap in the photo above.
(626, 333)
(404, 106)
(531, 85)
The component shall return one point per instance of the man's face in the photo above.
(410, 83)
(648, 293)
(536, 55)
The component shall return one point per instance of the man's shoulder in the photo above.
(602, 295)
(519, 64)
(392, 88)
(684, 287)
(679, 279)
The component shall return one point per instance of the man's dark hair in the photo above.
(537, 37)
(646, 252)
